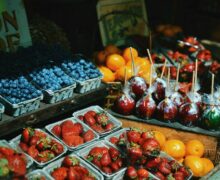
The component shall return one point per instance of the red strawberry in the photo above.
(92, 113)
(7, 151)
(114, 140)
(109, 127)
(27, 133)
(114, 153)
(56, 130)
(81, 170)
(107, 170)
(81, 118)
(88, 136)
(17, 164)
(43, 144)
(98, 151)
(88, 119)
(97, 128)
(174, 165)
(23, 146)
(102, 118)
(97, 162)
(184, 171)
(146, 135)
(68, 129)
(153, 163)
(45, 156)
(179, 175)
(40, 134)
(73, 174)
(135, 153)
(160, 175)
(119, 162)
(164, 168)
(105, 159)
(33, 152)
(151, 146)
(131, 172)
(115, 167)
(142, 173)
(141, 141)
(34, 140)
(133, 136)
(78, 128)
(70, 161)
(73, 140)
(60, 173)
(57, 148)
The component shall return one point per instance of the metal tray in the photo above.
(16, 141)
(174, 125)
(22, 107)
(49, 168)
(36, 173)
(84, 152)
(74, 120)
(5, 143)
(116, 122)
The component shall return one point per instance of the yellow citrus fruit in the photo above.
(108, 75)
(180, 160)
(112, 49)
(195, 163)
(127, 54)
(120, 73)
(208, 166)
(114, 62)
(175, 148)
(160, 137)
(195, 147)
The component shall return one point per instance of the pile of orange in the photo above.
(112, 62)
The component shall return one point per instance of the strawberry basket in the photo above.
(38, 174)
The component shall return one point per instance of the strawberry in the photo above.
(114, 153)
(44, 143)
(151, 147)
(88, 119)
(153, 163)
(45, 156)
(114, 140)
(81, 118)
(174, 165)
(115, 167)
(146, 135)
(60, 173)
(81, 170)
(164, 168)
(142, 173)
(78, 128)
(135, 153)
(34, 140)
(141, 141)
(73, 140)
(109, 127)
(92, 113)
(96, 161)
(39, 134)
(17, 164)
(119, 161)
(184, 171)
(88, 136)
(102, 118)
(131, 172)
(105, 159)
(73, 174)
(27, 133)
(57, 148)
(160, 175)
(33, 152)
(107, 170)
(133, 136)
(7, 151)
(23, 146)
(56, 130)
(68, 129)
(88, 178)
(179, 175)
(98, 128)
(70, 161)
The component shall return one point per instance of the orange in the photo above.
(127, 54)
(120, 73)
(108, 75)
(195, 147)
(114, 62)
(175, 148)
(208, 166)
(100, 57)
(139, 62)
(159, 136)
(112, 49)
(180, 160)
(195, 163)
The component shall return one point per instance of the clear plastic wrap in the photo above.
(138, 86)
(160, 86)
(177, 98)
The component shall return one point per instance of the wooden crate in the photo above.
(210, 143)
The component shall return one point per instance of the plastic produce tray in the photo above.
(174, 125)
(84, 152)
(74, 120)
(49, 168)
(4, 143)
(2, 110)
(22, 107)
(16, 141)
(36, 173)
(116, 122)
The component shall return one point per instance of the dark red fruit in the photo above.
(179, 175)
(164, 168)
(133, 136)
(109, 127)
(142, 173)
(151, 147)
(114, 153)
(78, 128)
(92, 113)
(88, 119)
(56, 130)
(88, 136)
(153, 163)
(131, 172)
(177, 99)
(81, 118)
(114, 140)
(70, 161)
(107, 170)
(160, 175)
(23, 146)
(160, 86)
(105, 159)
(138, 86)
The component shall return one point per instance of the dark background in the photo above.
(78, 18)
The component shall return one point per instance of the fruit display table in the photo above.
(10, 124)
(210, 143)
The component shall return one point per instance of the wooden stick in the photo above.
(151, 71)
(164, 66)
(196, 72)
(132, 64)
(193, 81)
(177, 76)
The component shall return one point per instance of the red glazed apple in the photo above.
(194, 97)
(159, 86)
(138, 86)
(189, 114)
(177, 99)
(167, 110)
(146, 107)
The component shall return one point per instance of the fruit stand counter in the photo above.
(48, 112)
(211, 143)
